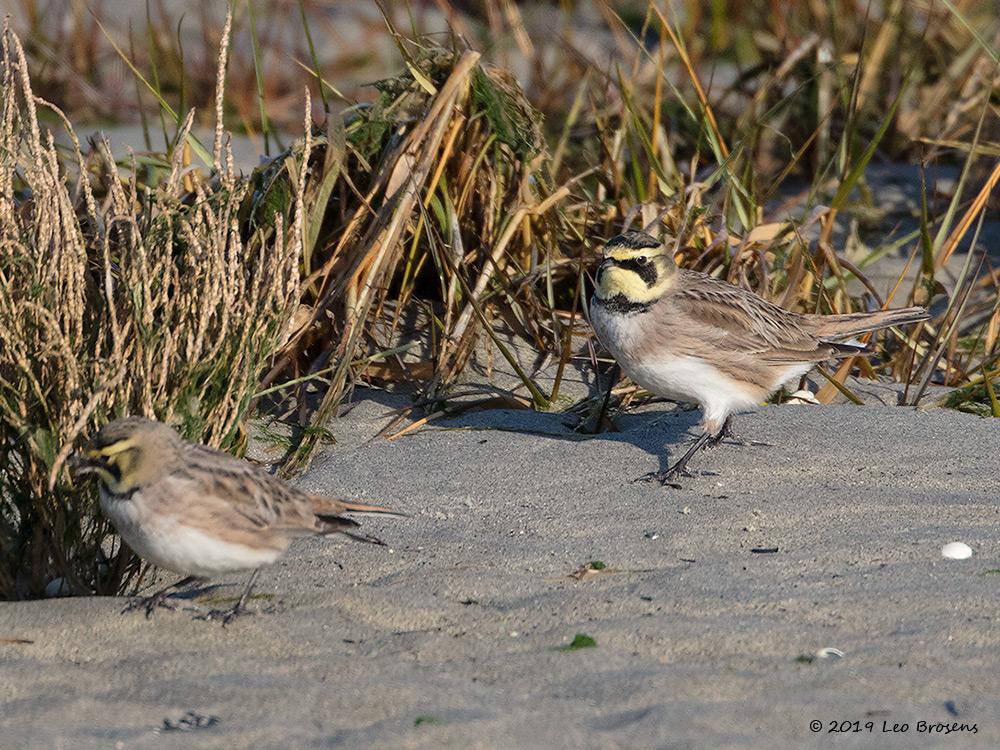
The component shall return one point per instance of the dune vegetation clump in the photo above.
(119, 297)
(458, 207)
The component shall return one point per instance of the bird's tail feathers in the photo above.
(850, 348)
(854, 324)
(334, 506)
(329, 524)
(329, 512)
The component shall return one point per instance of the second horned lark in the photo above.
(687, 336)
(200, 512)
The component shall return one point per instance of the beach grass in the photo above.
(396, 230)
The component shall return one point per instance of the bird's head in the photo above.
(127, 453)
(636, 268)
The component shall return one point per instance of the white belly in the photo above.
(168, 543)
(674, 376)
(685, 378)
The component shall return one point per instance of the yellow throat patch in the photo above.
(636, 275)
(115, 464)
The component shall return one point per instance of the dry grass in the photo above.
(456, 203)
(490, 230)
(119, 299)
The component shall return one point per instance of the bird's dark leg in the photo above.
(726, 433)
(158, 598)
(679, 469)
(614, 376)
(228, 615)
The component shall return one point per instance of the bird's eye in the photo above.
(642, 259)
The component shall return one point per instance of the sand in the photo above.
(450, 637)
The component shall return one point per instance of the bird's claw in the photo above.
(226, 615)
(752, 443)
(148, 603)
(728, 436)
(666, 478)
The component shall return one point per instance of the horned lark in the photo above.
(690, 337)
(198, 511)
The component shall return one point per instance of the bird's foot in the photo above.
(149, 603)
(747, 442)
(226, 616)
(726, 434)
(238, 609)
(158, 599)
(666, 478)
(734, 439)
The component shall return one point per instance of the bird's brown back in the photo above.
(258, 500)
(737, 320)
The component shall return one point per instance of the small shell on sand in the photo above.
(802, 397)
(956, 551)
(829, 653)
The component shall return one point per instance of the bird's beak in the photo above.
(80, 464)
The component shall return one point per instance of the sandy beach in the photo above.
(443, 187)
(705, 636)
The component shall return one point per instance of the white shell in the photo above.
(829, 653)
(802, 397)
(956, 551)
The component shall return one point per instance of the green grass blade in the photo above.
(313, 56)
(196, 145)
(855, 173)
(258, 74)
(984, 45)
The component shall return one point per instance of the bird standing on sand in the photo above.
(200, 512)
(687, 336)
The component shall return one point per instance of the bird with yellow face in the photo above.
(200, 512)
(690, 337)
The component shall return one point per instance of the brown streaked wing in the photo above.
(258, 497)
(744, 322)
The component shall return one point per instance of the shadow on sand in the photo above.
(663, 430)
